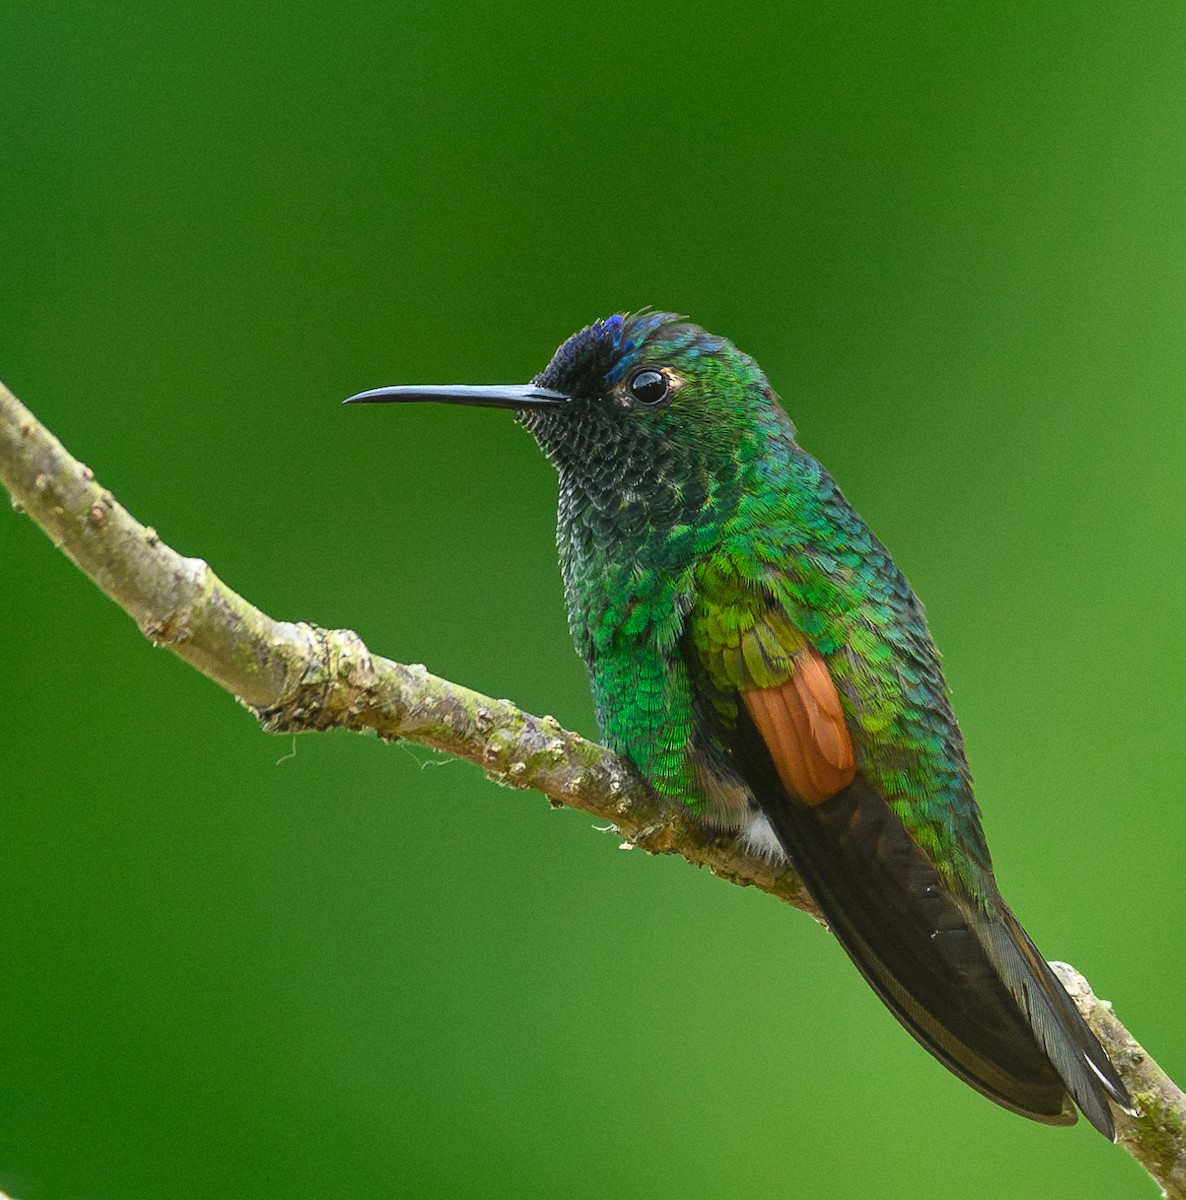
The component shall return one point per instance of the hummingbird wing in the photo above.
(922, 920)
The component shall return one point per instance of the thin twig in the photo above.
(297, 677)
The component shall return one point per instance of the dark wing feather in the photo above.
(969, 986)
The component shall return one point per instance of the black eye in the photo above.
(649, 386)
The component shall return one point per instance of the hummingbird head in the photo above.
(646, 417)
(652, 383)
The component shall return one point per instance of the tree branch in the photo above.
(297, 677)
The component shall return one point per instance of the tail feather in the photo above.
(966, 982)
(1058, 1026)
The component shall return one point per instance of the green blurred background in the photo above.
(955, 238)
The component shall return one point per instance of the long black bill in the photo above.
(518, 396)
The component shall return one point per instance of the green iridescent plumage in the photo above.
(756, 653)
(705, 519)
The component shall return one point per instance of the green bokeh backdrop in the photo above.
(954, 236)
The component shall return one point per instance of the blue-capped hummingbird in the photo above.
(757, 655)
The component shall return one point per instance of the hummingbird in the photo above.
(757, 655)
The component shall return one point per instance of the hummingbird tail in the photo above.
(1059, 1028)
(967, 983)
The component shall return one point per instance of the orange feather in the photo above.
(802, 723)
